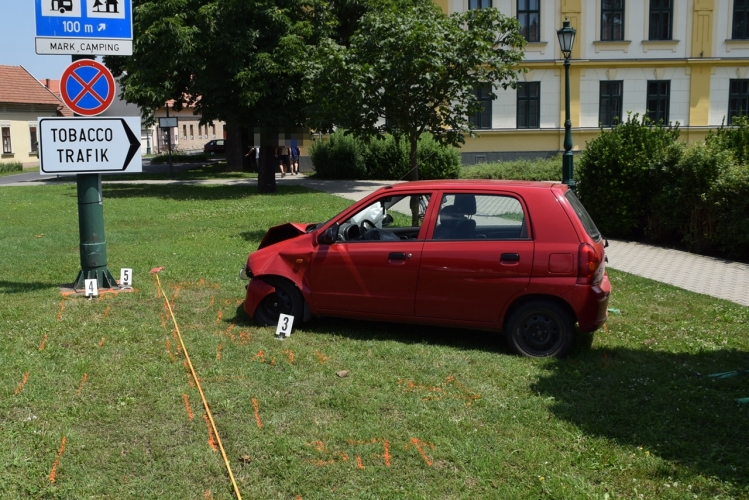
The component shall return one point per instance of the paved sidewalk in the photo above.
(715, 277)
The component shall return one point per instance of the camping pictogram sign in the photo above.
(87, 87)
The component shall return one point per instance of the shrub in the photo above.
(620, 173)
(734, 138)
(11, 166)
(546, 169)
(340, 157)
(178, 157)
(384, 158)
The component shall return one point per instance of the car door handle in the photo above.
(398, 256)
(510, 257)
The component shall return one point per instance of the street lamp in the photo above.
(566, 37)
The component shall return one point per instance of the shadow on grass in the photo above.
(254, 236)
(191, 192)
(664, 402)
(20, 287)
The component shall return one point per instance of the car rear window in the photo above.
(582, 214)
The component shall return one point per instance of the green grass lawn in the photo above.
(423, 413)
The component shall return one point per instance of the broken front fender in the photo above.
(257, 290)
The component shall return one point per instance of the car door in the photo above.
(479, 255)
(371, 276)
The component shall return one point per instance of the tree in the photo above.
(412, 70)
(239, 61)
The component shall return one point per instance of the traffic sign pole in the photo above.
(93, 244)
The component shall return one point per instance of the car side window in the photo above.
(480, 217)
(388, 219)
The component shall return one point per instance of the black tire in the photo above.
(287, 299)
(540, 329)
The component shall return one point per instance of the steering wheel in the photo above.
(363, 227)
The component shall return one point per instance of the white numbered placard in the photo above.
(92, 288)
(285, 322)
(126, 278)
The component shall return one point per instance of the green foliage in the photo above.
(418, 68)
(178, 157)
(734, 138)
(344, 156)
(546, 169)
(11, 166)
(620, 172)
(704, 202)
(340, 157)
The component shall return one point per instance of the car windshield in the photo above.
(590, 226)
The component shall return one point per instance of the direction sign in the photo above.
(93, 27)
(89, 145)
(87, 87)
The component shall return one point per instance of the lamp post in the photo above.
(566, 37)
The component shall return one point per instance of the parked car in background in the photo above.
(216, 146)
(523, 258)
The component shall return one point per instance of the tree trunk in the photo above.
(266, 170)
(414, 140)
(234, 153)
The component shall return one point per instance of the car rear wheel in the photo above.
(287, 299)
(540, 329)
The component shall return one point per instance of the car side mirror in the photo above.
(330, 235)
(387, 220)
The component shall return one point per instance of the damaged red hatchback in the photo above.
(524, 258)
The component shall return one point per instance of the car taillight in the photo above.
(590, 268)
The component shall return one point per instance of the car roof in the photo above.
(482, 184)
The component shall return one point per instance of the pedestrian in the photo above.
(294, 158)
(282, 153)
(254, 154)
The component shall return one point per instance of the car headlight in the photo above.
(243, 274)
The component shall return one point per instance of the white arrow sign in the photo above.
(89, 145)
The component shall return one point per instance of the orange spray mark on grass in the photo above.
(218, 351)
(187, 406)
(62, 308)
(231, 327)
(53, 472)
(321, 358)
(106, 312)
(101, 342)
(291, 356)
(189, 375)
(83, 381)
(211, 438)
(257, 413)
(259, 354)
(273, 361)
(163, 320)
(176, 292)
(207, 495)
(22, 383)
(44, 342)
(213, 299)
(220, 315)
(359, 465)
(418, 444)
(169, 351)
(386, 456)
(244, 337)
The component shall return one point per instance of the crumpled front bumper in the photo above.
(257, 290)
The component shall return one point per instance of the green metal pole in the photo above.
(567, 159)
(93, 245)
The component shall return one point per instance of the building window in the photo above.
(740, 19)
(659, 97)
(184, 131)
(610, 104)
(529, 105)
(661, 15)
(6, 140)
(738, 100)
(612, 20)
(528, 17)
(479, 4)
(33, 139)
(482, 119)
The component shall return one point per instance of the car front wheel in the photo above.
(540, 329)
(287, 299)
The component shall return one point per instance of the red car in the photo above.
(524, 258)
(216, 146)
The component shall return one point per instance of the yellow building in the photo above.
(683, 61)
